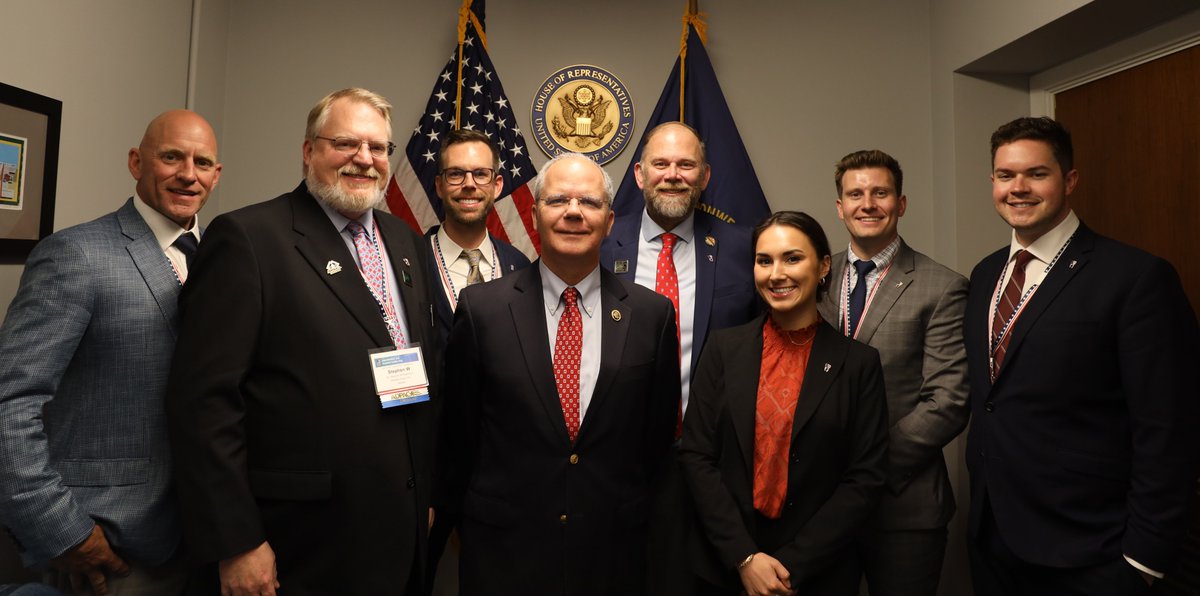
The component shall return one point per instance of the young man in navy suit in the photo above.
(1083, 449)
(461, 251)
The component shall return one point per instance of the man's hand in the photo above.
(765, 576)
(251, 573)
(88, 562)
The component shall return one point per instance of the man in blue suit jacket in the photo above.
(468, 183)
(1083, 449)
(85, 469)
(714, 265)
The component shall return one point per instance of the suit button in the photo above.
(562, 519)
(574, 459)
(412, 482)
(989, 406)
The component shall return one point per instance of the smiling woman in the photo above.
(780, 504)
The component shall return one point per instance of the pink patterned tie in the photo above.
(373, 273)
(568, 347)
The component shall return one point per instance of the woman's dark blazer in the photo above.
(837, 458)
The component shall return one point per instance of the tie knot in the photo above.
(473, 255)
(1023, 257)
(356, 229)
(187, 244)
(668, 241)
(570, 297)
(863, 267)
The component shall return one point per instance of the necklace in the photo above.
(788, 334)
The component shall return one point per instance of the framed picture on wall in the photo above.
(29, 134)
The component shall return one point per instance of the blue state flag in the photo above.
(734, 194)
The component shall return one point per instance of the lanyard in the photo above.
(444, 270)
(867, 303)
(387, 310)
(998, 338)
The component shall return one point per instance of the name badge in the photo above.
(400, 378)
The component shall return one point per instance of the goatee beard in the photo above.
(342, 201)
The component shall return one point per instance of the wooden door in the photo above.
(1137, 149)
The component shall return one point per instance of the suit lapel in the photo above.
(898, 277)
(706, 272)
(613, 332)
(1073, 260)
(406, 259)
(322, 246)
(741, 381)
(529, 321)
(824, 365)
(625, 246)
(148, 257)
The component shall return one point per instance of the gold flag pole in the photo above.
(465, 14)
(691, 16)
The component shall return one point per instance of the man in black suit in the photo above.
(560, 409)
(1083, 449)
(296, 465)
(461, 251)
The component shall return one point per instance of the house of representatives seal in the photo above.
(585, 109)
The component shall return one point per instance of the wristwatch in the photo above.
(746, 561)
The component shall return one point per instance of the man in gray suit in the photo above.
(85, 470)
(910, 308)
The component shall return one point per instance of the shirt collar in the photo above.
(686, 230)
(165, 230)
(451, 251)
(882, 259)
(553, 286)
(1048, 245)
(340, 221)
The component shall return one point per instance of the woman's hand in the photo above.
(765, 576)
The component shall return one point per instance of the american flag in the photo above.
(479, 103)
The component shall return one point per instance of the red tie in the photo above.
(568, 346)
(1007, 308)
(666, 282)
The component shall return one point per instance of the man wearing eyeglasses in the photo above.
(302, 464)
(560, 408)
(462, 252)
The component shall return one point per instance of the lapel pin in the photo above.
(407, 278)
(711, 259)
(621, 266)
(405, 260)
(709, 240)
(1072, 264)
(511, 267)
(333, 268)
(899, 284)
(616, 315)
(827, 367)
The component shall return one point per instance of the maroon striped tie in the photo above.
(1007, 307)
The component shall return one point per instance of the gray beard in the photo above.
(340, 200)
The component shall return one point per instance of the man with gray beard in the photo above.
(705, 266)
(299, 400)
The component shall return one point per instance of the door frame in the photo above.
(1168, 38)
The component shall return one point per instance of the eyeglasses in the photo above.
(585, 203)
(456, 176)
(351, 145)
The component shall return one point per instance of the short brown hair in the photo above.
(870, 158)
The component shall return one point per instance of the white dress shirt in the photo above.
(684, 255)
(589, 305)
(166, 232)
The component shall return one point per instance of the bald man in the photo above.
(85, 467)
